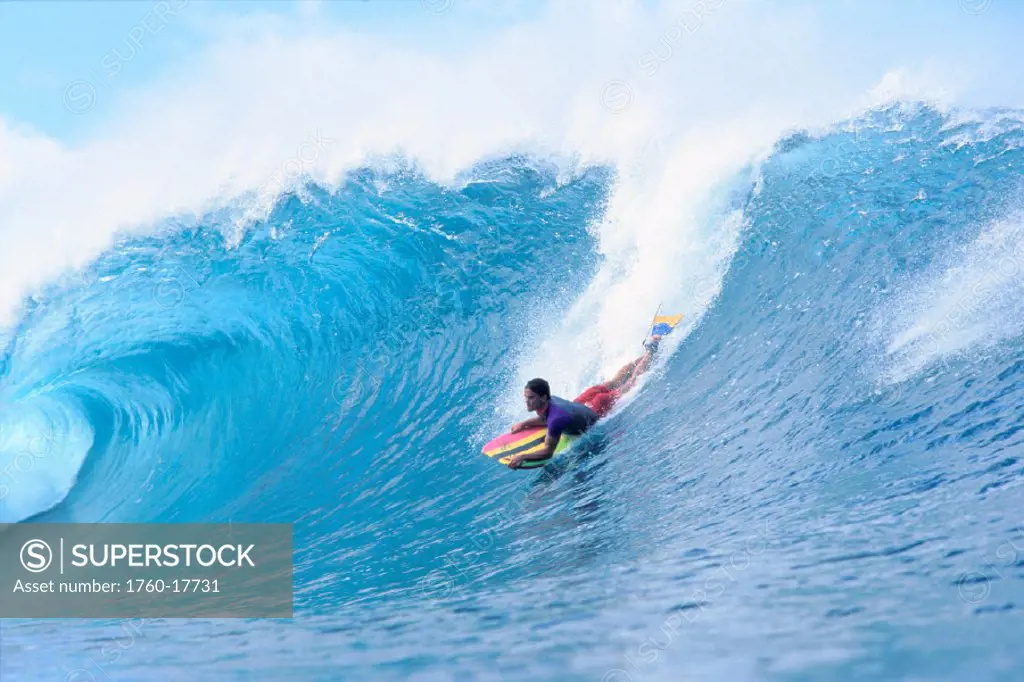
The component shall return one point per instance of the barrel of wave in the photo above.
(43, 445)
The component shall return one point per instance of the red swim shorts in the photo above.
(600, 399)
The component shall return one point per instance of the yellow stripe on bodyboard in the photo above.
(532, 441)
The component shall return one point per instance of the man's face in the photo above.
(534, 402)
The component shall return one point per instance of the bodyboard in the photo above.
(527, 441)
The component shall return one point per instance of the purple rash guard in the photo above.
(568, 417)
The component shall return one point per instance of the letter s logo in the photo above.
(36, 556)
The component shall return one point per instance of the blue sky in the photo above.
(63, 63)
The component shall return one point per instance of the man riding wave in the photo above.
(562, 416)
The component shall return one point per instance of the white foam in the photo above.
(966, 303)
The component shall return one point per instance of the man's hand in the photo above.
(516, 461)
(522, 426)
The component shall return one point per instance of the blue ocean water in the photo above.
(821, 481)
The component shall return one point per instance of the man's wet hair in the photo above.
(540, 387)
